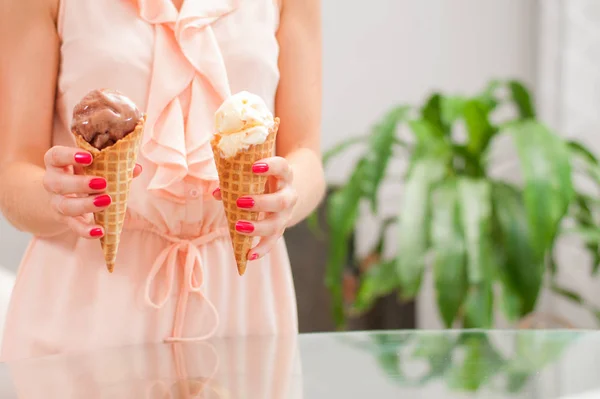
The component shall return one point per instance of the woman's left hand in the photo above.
(277, 203)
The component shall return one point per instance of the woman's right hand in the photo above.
(75, 196)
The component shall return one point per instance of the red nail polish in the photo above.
(253, 257)
(137, 165)
(216, 191)
(83, 158)
(260, 167)
(244, 227)
(96, 232)
(102, 201)
(245, 202)
(97, 184)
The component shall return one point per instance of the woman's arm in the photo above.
(298, 102)
(29, 49)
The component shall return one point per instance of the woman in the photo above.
(175, 277)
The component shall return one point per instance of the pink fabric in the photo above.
(265, 368)
(175, 278)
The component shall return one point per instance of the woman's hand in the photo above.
(277, 203)
(72, 195)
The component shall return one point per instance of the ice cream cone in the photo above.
(236, 179)
(115, 164)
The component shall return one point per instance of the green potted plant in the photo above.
(479, 234)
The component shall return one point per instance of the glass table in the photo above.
(409, 364)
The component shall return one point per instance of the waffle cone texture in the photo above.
(236, 179)
(115, 164)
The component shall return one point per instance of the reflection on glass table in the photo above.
(423, 364)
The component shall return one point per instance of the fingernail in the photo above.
(137, 165)
(253, 256)
(216, 191)
(260, 167)
(244, 227)
(102, 201)
(245, 202)
(83, 158)
(96, 232)
(97, 184)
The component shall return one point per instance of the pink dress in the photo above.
(175, 277)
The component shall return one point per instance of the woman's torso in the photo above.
(178, 66)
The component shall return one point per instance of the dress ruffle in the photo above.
(187, 59)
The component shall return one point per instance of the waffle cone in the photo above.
(115, 164)
(236, 179)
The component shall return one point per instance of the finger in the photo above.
(63, 183)
(276, 202)
(217, 194)
(72, 206)
(263, 247)
(81, 227)
(59, 157)
(137, 170)
(271, 225)
(274, 166)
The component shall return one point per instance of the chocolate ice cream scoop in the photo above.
(104, 116)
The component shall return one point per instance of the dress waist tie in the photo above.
(191, 283)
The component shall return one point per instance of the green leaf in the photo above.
(449, 265)
(442, 111)
(479, 306)
(341, 147)
(488, 97)
(522, 99)
(479, 128)
(591, 165)
(390, 363)
(470, 164)
(414, 222)
(568, 294)
(480, 364)
(551, 264)
(510, 301)
(476, 218)
(387, 351)
(430, 142)
(433, 345)
(591, 233)
(432, 112)
(516, 381)
(452, 109)
(580, 150)
(381, 279)
(522, 272)
(510, 298)
(436, 349)
(342, 212)
(549, 190)
(381, 143)
(534, 351)
(387, 223)
(390, 342)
